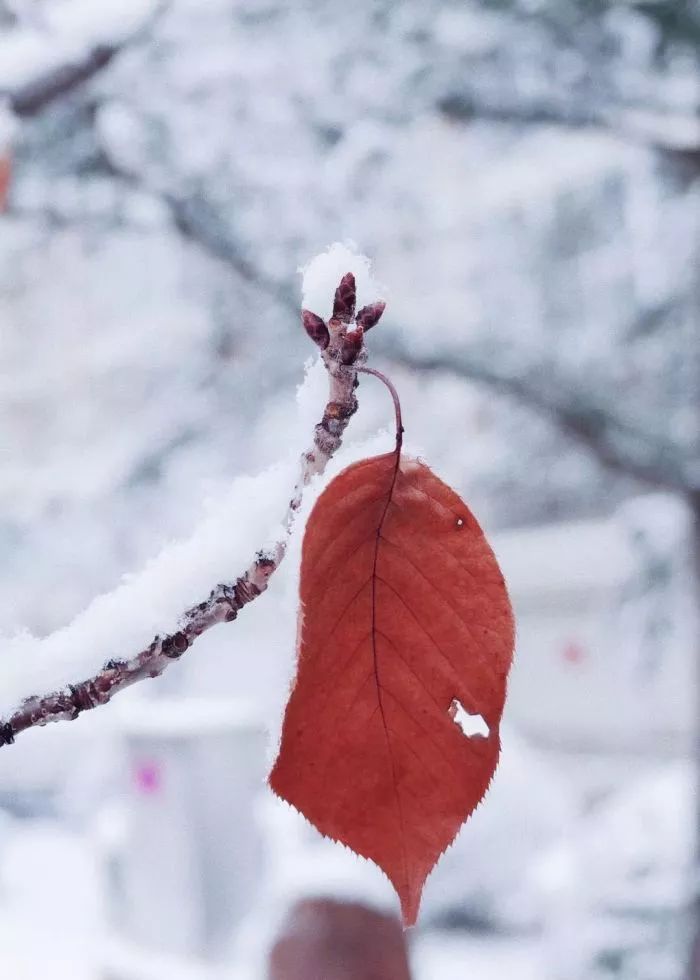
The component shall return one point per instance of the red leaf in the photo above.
(404, 613)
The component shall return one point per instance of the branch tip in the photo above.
(345, 296)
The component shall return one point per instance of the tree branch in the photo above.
(59, 80)
(343, 353)
(34, 96)
(674, 135)
(617, 444)
(199, 222)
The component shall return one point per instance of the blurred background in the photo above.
(525, 175)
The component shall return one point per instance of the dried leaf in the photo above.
(405, 620)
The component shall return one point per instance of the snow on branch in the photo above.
(40, 63)
(94, 642)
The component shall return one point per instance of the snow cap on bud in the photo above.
(344, 302)
(315, 328)
(323, 273)
(370, 315)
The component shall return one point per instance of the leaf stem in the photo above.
(395, 397)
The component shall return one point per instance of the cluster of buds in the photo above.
(345, 326)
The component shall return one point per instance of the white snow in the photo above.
(455, 956)
(67, 31)
(323, 273)
(565, 556)
(50, 887)
(86, 21)
(236, 523)
(621, 881)
(183, 717)
(126, 620)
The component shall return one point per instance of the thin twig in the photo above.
(342, 354)
(395, 398)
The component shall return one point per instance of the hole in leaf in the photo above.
(460, 522)
(471, 725)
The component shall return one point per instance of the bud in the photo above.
(370, 315)
(352, 345)
(344, 303)
(316, 328)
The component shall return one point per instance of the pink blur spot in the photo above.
(148, 778)
(573, 653)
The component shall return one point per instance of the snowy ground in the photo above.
(52, 923)
(51, 915)
(456, 957)
(613, 889)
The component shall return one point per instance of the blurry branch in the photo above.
(59, 80)
(341, 341)
(614, 442)
(657, 129)
(198, 222)
(35, 95)
(617, 444)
